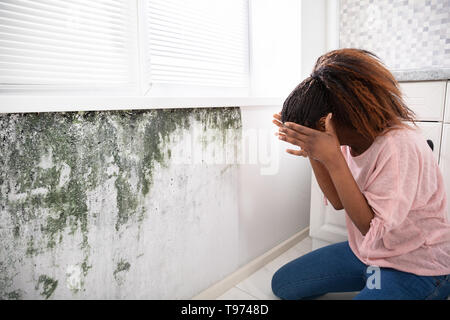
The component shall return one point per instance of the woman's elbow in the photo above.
(337, 206)
(364, 230)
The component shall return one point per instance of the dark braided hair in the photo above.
(356, 87)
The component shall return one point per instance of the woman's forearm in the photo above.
(326, 184)
(325, 147)
(351, 197)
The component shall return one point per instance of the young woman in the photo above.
(350, 121)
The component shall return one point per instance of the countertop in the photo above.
(422, 75)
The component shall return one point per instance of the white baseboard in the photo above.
(245, 271)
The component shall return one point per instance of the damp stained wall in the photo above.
(118, 204)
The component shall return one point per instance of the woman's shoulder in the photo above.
(404, 141)
(399, 142)
(402, 135)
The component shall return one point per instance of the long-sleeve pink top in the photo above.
(401, 180)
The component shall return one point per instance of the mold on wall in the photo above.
(117, 204)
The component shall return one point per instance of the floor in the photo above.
(257, 286)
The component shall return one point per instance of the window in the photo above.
(155, 48)
(186, 46)
(196, 44)
(76, 43)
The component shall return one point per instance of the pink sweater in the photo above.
(401, 180)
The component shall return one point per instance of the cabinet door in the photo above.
(445, 162)
(328, 225)
(425, 98)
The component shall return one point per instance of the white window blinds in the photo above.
(198, 42)
(56, 42)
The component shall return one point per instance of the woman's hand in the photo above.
(320, 145)
(279, 124)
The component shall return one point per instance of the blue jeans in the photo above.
(335, 268)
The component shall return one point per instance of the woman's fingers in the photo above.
(277, 120)
(293, 133)
(301, 129)
(300, 153)
(291, 140)
(277, 123)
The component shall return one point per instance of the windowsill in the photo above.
(22, 103)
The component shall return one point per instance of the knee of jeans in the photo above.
(279, 283)
(276, 284)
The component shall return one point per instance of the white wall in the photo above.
(274, 195)
(286, 38)
(313, 33)
(274, 47)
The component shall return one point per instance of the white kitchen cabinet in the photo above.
(445, 162)
(426, 99)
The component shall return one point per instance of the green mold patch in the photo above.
(14, 295)
(157, 134)
(82, 142)
(31, 249)
(39, 135)
(85, 266)
(122, 266)
(127, 201)
(53, 164)
(47, 284)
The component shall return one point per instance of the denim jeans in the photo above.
(335, 268)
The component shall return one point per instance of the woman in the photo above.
(349, 120)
